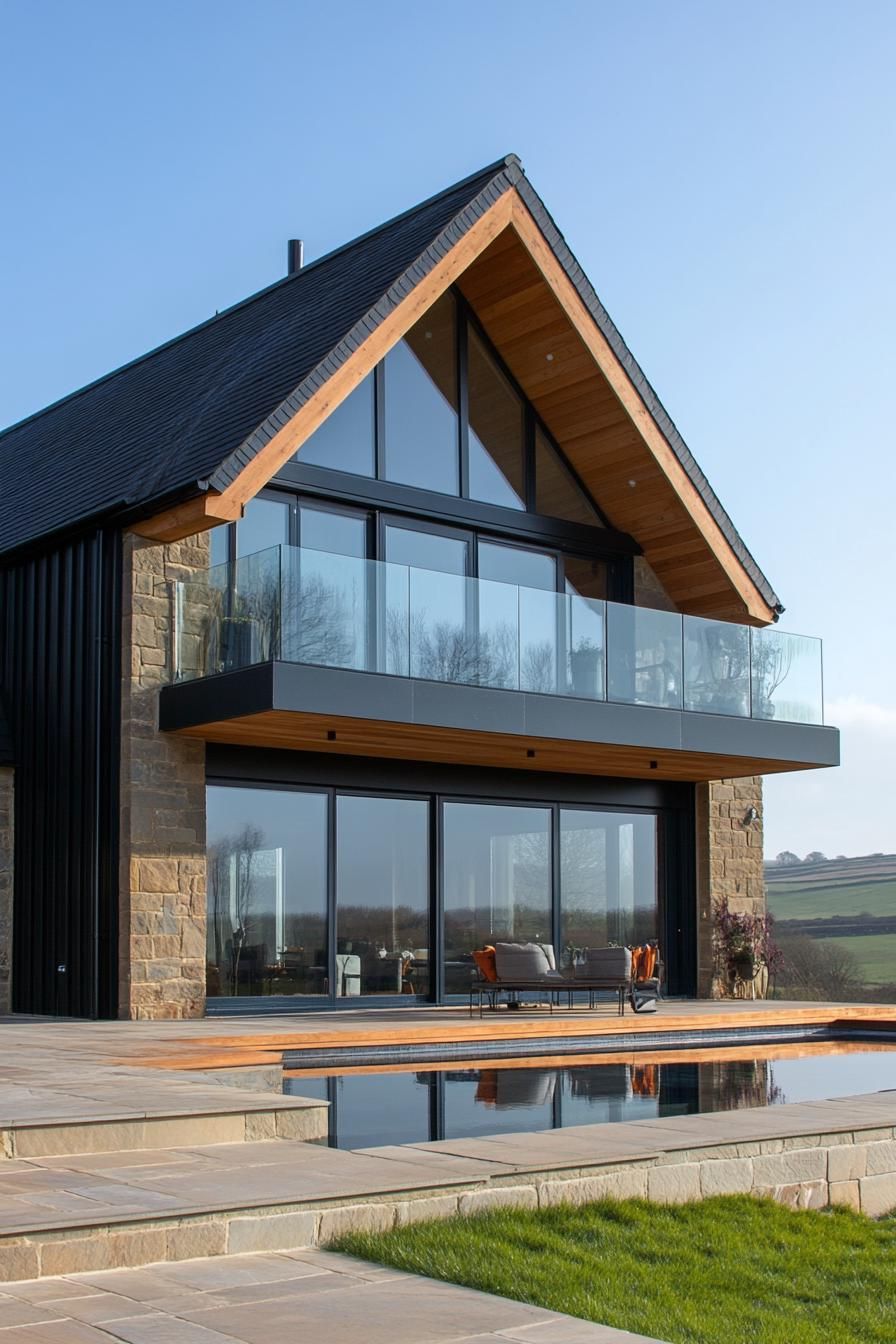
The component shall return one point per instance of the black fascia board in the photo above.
(341, 692)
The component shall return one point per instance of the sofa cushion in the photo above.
(605, 963)
(521, 961)
(485, 963)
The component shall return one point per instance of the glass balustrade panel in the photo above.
(643, 656)
(334, 610)
(498, 611)
(586, 647)
(327, 609)
(786, 676)
(716, 667)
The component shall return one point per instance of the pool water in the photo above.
(399, 1105)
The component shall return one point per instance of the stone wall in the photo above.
(162, 888)
(7, 851)
(729, 859)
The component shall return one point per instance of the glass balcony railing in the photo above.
(328, 610)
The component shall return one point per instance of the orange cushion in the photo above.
(485, 961)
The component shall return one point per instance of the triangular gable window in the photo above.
(557, 492)
(442, 414)
(346, 439)
(496, 431)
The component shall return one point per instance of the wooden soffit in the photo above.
(537, 320)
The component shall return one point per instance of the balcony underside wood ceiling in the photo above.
(295, 730)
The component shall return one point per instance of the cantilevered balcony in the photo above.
(294, 647)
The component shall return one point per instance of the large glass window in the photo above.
(346, 439)
(382, 896)
(267, 892)
(497, 473)
(496, 880)
(608, 868)
(422, 447)
(264, 524)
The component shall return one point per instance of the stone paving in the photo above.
(277, 1299)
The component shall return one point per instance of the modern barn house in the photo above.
(381, 616)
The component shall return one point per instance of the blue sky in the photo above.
(723, 172)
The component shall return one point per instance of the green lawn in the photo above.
(875, 953)
(734, 1270)
(793, 900)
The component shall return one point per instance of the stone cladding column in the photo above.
(162, 951)
(729, 859)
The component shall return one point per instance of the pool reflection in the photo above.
(367, 1110)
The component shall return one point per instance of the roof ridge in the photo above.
(508, 160)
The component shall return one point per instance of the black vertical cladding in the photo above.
(60, 673)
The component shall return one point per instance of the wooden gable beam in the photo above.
(214, 507)
(630, 399)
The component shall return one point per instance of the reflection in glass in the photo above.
(326, 609)
(538, 608)
(557, 493)
(786, 671)
(716, 667)
(608, 867)
(345, 440)
(219, 545)
(497, 881)
(267, 892)
(265, 523)
(441, 639)
(585, 647)
(382, 896)
(643, 656)
(496, 431)
(331, 530)
(421, 404)
(232, 619)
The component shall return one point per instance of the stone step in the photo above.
(84, 1109)
(65, 1215)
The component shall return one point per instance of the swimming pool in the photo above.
(476, 1098)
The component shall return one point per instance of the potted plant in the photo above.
(744, 947)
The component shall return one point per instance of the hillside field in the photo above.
(791, 899)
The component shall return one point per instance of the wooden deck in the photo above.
(244, 1042)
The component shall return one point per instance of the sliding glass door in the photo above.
(267, 893)
(382, 896)
(332, 894)
(608, 879)
(496, 881)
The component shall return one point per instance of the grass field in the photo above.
(876, 955)
(733, 1270)
(791, 900)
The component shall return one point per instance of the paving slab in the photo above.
(279, 1299)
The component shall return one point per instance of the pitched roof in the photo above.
(191, 414)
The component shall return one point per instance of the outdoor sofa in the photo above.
(529, 968)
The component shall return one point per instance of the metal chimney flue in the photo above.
(295, 256)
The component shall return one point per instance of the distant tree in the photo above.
(813, 968)
(787, 857)
(815, 856)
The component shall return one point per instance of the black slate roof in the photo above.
(189, 415)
